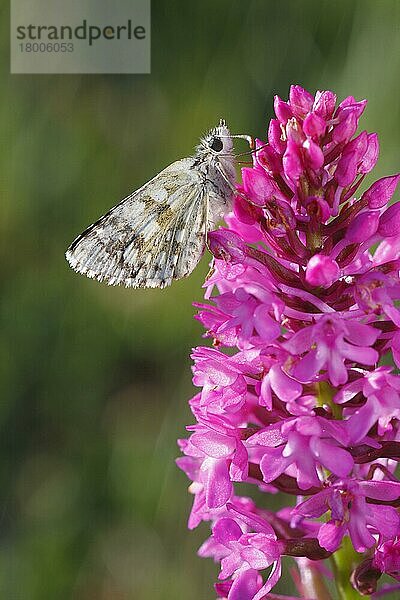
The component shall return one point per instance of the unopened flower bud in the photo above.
(351, 103)
(300, 101)
(282, 110)
(346, 128)
(324, 104)
(346, 170)
(259, 186)
(381, 191)
(314, 125)
(371, 155)
(305, 547)
(365, 577)
(275, 136)
(389, 223)
(321, 271)
(227, 245)
(363, 226)
(314, 154)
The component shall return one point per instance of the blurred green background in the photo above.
(95, 380)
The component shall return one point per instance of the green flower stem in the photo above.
(346, 558)
(312, 582)
(344, 561)
(325, 396)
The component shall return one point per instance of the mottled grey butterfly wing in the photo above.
(155, 235)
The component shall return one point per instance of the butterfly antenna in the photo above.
(241, 136)
(249, 139)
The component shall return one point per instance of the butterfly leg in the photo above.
(233, 188)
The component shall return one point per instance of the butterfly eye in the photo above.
(217, 144)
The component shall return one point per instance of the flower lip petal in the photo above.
(219, 488)
(273, 464)
(331, 534)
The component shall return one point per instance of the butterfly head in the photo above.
(217, 141)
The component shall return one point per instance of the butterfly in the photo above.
(158, 233)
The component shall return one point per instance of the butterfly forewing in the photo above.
(151, 237)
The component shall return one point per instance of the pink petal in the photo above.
(381, 490)
(271, 582)
(266, 327)
(239, 466)
(219, 488)
(213, 444)
(265, 393)
(292, 163)
(314, 154)
(360, 334)
(286, 388)
(365, 356)
(322, 271)
(273, 464)
(362, 421)
(359, 534)
(275, 136)
(282, 110)
(226, 530)
(309, 366)
(258, 185)
(346, 128)
(245, 586)
(315, 506)
(349, 391)
(270, 436)
(330, 535)
(385, 519)
(300, 341)
(346, 170)
(351, 103)
(333, 458)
